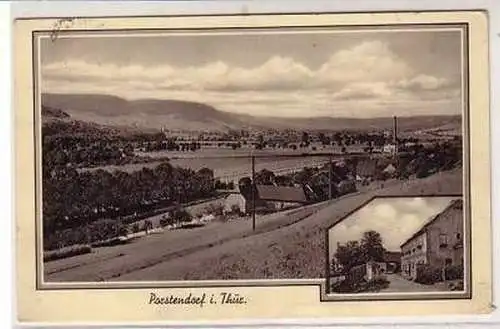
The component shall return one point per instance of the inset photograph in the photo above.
(411, 245)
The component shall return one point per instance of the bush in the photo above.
(343, 287)
(164, 221)
(356, 274)
(122, 230)
(422, 173)
(104, 230)
(181, 216)
(214, 209)
(376, 284)
(458, 286)
(235, 209)
(428, 275)
(66, 252)
(148, 225)
(108, 243)
(455, 272)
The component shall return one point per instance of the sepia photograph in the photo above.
(185, 156)
(252, 166)
(399, 245)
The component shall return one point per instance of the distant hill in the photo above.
(49, 112)
(192, 116)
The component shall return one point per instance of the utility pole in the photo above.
(253, 193)
(395, 135)
(330, 169)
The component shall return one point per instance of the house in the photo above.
(439, 243)
(342, 182)
(366, 169)
(234, 201)
(393, 261)
(280, 197)
(345, 187)
(390, 170)
(390, 149)
(367, 272)
(268, 198)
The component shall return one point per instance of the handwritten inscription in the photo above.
(223, 298)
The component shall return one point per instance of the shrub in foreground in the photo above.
(181, 216)
(428, 274)
(66, 252)
(455, 272)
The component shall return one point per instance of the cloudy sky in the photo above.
(362, 74)
(396, 219)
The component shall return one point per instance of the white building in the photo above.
(389, 148)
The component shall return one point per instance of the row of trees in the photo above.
(72, 199)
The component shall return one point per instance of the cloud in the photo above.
(357, 91)
(369, 75)
(368, 61)
(423, 82)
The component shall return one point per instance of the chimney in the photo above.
(395, 135)
(395, 130)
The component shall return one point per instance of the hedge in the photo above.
(66, 252)
(455, 272)
(427, 274)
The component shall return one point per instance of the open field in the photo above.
(285, 245)
(246, 150)
(230, 168)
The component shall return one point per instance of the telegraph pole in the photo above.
(330, 169)
(253, 192)
(395, 135)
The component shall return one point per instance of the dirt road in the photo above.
(400, 284)
(109, 262)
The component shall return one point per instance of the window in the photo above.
(448, 261)
(459, 236)
(443, 240)
(419, 247)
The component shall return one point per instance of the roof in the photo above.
(281, 193)
(390, 168)
(455, 204)
(392, 256)
(366, 168)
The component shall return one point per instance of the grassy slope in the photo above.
(285, 246)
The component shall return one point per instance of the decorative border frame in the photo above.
(478, 186)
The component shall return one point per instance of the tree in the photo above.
(245, 187)
(349, 255)
(372, 246)
(304, 176)
(181, 215)
(265, 177)
(305, 138)
(260, 142)
(354, 253)
(148, 225)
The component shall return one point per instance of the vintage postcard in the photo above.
(258, 166)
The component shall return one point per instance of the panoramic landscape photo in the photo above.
(228, 156)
